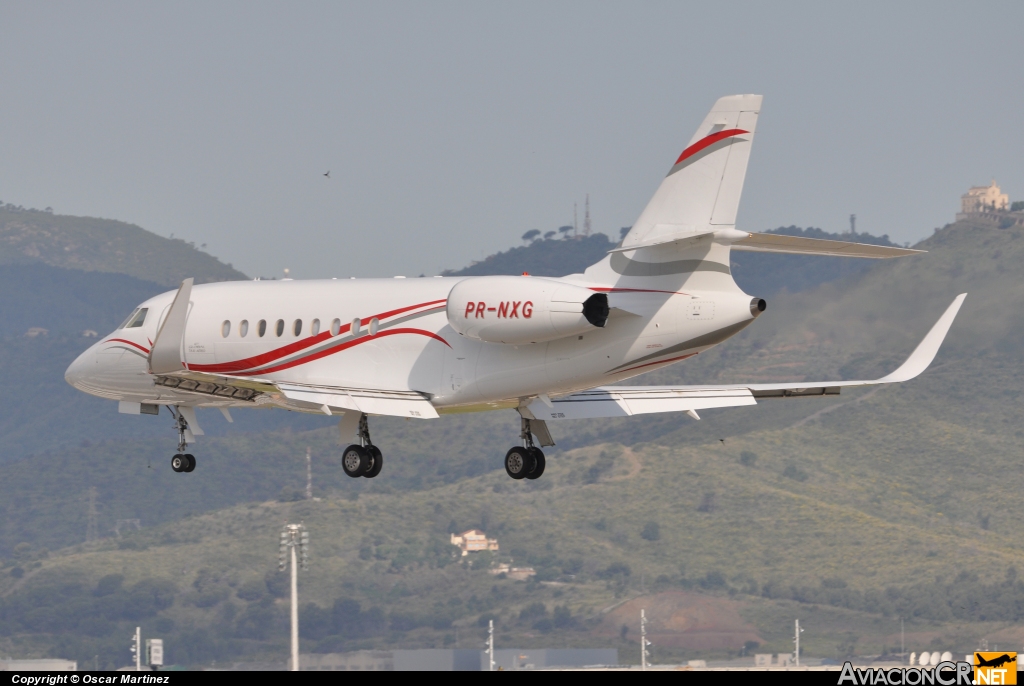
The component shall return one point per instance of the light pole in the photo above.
(294, 536)
(490, 645)
(796, 640)
(643, 642)
(135, 648)
(902, 654)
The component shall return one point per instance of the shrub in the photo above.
(651, 531)
(795, 473)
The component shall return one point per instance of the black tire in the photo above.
(191, 463)
(179, 462)
(376, 461)
(539, 463)
(355, 460)
(519, 462)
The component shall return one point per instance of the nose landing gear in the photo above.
(182, 462)
(363, 458)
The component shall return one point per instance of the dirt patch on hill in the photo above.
(679, 619)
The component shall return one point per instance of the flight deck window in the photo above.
(243, 328)
(225, 329)
(263, 328)
(297, 327)
(124, 325)
(314, 327)
(335, 327)
(138, 320)
(280, 327)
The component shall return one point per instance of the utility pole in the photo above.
(796, 640)
(902, 654)
(91, 526)
(643, 641)
(575, 222)
(853, 223)
(490, 645)
(309, 475)
(294, 536)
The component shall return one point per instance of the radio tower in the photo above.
(586, 218)
(91, 526)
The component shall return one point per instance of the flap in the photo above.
(368, 401)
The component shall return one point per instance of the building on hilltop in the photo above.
(473, 541)
(984, 199)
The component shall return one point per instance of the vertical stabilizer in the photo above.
(701, 192)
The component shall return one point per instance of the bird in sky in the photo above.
(721, 440)
(328, 174)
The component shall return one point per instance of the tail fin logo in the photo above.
(704, 147)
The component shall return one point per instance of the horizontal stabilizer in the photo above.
(796, 245)
(623, 401)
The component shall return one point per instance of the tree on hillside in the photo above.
(564, 230)
(548, 235)
(531, 235)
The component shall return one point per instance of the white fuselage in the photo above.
(403, 341)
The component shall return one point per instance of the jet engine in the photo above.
(523, 309)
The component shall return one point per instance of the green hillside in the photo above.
(104, 245)
(846, 512)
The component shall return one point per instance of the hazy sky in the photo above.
(450, 128)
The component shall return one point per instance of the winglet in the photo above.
(926, 350)
(165, 355)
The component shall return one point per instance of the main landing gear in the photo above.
(182, 462)
(363, 458)
(526, 462)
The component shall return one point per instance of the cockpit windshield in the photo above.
(136, 319)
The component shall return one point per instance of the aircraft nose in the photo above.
(76, 372)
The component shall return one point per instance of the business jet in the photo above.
(552, 349)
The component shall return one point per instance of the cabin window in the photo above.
(374, 326)
(356, 323)
(243, 328)
(314, 327)
(139, 319)
(262, 328)
(297, 327)
(335, 327)
(225, 329)
(280, 327)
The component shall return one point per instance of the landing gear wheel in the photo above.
(539, 462)
(355, 461)
(179, 463)
(192, 463)
(376, 461)
(519, 462)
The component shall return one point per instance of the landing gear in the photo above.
(363, 458)
(182, 462)
(538, 463)
(526, 462)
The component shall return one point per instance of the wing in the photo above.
(622, 401)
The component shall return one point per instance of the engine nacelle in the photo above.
(523, 309)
